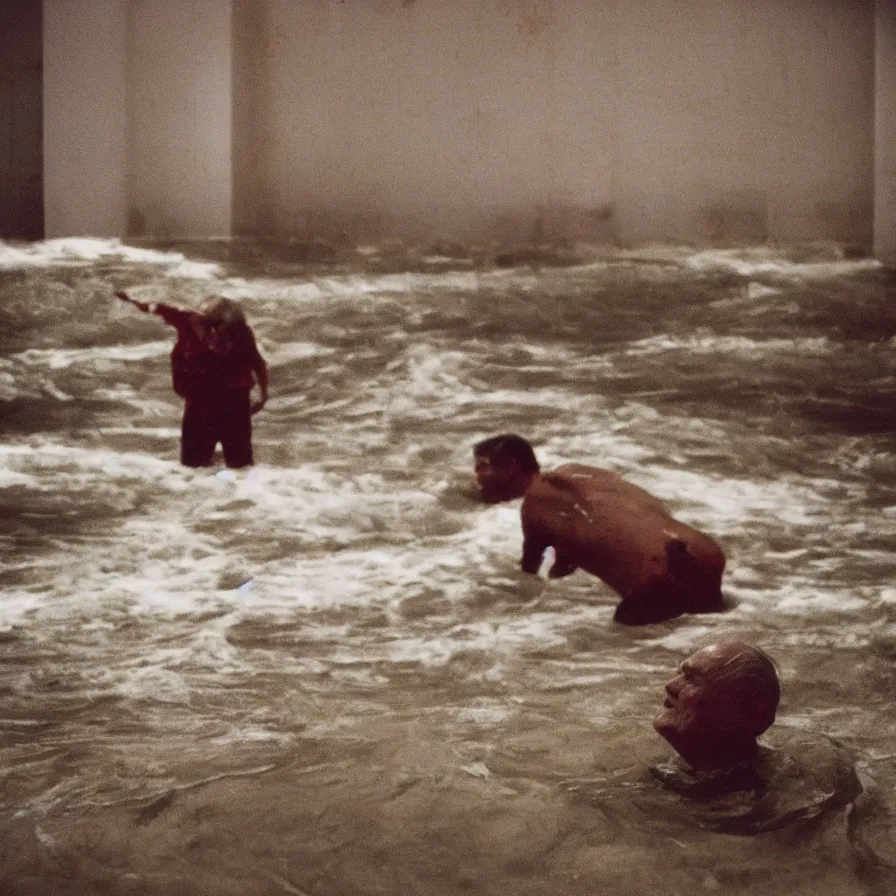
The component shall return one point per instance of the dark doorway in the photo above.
(21, 120)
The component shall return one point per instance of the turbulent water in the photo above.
(326, 675)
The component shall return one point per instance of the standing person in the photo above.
(214, 365)
(596, 521)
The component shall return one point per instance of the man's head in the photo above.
(722, 698)
(504, 467)
(222, 311)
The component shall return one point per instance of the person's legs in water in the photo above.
(235, 430)
(198, 434)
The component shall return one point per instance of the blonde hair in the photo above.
(219, 309)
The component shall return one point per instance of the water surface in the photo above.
(326, 674)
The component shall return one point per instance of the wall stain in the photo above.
(532, 18)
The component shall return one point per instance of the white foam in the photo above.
(728, 345)
(767, 260)
(684, 640)
(284, 352)
(800, 603)
(16, 608)
(60, 359)
(87, 250)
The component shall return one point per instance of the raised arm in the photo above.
(176, 317)
(145, 307)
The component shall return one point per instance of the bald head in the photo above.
(721, 699)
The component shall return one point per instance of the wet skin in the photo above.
(703, 717)
(596, 521)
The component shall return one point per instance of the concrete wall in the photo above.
(707, 121)
(427, 117)
(138, 117)
(703, 120)
(885, 133)
(179, 179)
(746, 121)
(21, 187)
(85, 117)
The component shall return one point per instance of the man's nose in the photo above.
(673, 687)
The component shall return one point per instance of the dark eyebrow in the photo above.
(688, 670)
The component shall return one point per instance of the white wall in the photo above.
(708, 121)
(450, 114)
(179, 181)
(84, 117)
(885, 133)
(746, 120)
(700, 120)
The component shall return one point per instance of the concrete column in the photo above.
(179, 89)
(84, 117)
(251, 104)
(885, 132)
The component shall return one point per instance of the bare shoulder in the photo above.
(570, 484)
(594, 486)
(583, 479)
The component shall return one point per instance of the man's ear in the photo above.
(757, 716)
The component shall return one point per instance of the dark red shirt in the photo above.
(211, 358)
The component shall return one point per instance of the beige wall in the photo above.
(707, 121)
(179, 118)
(746, 121)
(439, 117)
(137, 123)
(84, 117)
(704, 120)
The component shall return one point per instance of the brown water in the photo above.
(326, 675)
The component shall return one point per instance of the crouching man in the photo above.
(596, 521)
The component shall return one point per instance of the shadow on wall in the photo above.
(736, 220)
(847, 224)
(149, 223)
(557, 224)
(528, 225)
(743, 220)
(521, 234)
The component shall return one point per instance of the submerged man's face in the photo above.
(700, 712)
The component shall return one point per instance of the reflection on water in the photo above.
(326, 674)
